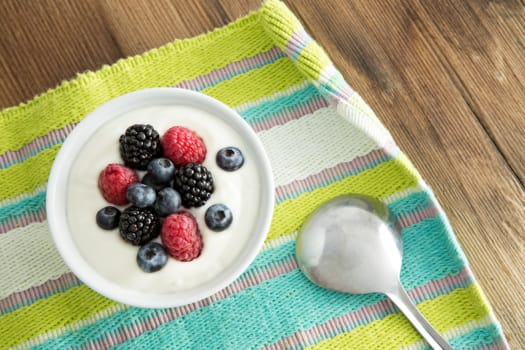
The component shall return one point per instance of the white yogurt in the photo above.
(115, 259)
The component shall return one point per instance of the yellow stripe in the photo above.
(164, 66)
(313, 60)
(279, 21)
(392, 332)
(50, 314)
(381, 181)
(272, 78)
(27, 176)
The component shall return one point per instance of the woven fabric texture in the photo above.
(323, 141)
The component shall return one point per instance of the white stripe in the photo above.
(361, 117)
(308, 145)
(28, 258)
(34, 244)
(454, 332)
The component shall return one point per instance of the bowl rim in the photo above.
(56, 196)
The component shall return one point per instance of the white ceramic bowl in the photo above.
(57, 194)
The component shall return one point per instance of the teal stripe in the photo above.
(25, 206)
(347, 327)
(287, 302)
(428, 253)
(409, 204)
(335, 84)
(266, 110)
(480, 336)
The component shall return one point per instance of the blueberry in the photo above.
(218, 217)
(108, 218)
(141, 195)
(148, 180)
(152, 257)
(168, 202)
(161, 170)
(229, 158)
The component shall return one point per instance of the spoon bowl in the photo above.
(350, 244)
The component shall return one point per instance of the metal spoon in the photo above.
(351, 245)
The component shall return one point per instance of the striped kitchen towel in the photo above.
(322, 139)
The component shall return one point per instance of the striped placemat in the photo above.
(323, 141)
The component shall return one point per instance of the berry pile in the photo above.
(159, 201)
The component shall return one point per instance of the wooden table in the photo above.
(447, 78)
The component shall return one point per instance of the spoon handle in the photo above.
(403, 302)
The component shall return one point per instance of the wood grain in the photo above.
(446, 77)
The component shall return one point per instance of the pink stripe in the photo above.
(20, 221)
(316, 103)
(287, 191)
(231, 69)
(417, 216)
(371, 312)
(297, 40)
(35, 146)
(37, 292)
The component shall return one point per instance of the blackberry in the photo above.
(139, 145)
(194, 183)
(138, 225)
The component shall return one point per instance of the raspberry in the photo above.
(182, 145)
(114, 181)
(181, 236)
(138, 225)
(194, 183)
(139, 144)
